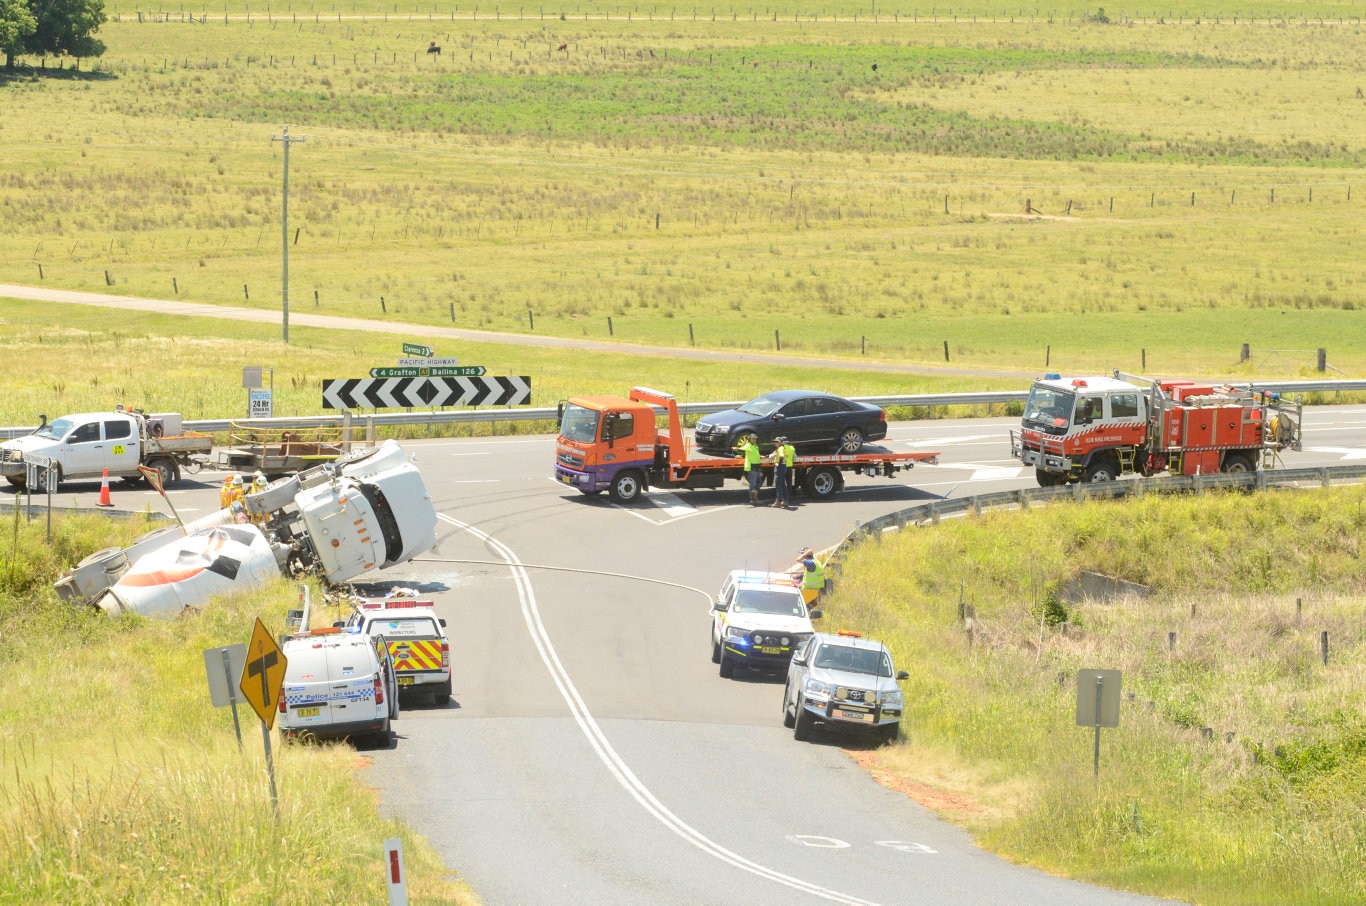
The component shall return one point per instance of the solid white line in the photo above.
(609, 757)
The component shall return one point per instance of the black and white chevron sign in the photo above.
(424, 392)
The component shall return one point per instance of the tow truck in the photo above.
(612, 443)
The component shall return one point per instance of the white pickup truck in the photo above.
(82, 446)
(370, 510)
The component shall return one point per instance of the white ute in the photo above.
(758, 619)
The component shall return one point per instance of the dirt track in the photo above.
(399, 328)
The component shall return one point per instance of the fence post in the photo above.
(777, 341)
(1246, 353)
(609, 326)
(946, 350)
(1323, 360)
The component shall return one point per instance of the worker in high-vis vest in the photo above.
(753, 471)
(783, 455)
(812, 576)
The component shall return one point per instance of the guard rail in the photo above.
(465, 416)
(933, 511)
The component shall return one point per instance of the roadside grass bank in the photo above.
(1236, 774)
(120, 783)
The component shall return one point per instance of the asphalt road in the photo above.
(591, 753)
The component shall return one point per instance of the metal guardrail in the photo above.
(934, 510)
(467, 416)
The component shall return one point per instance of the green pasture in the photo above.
(1236, 773)
(1094, 195)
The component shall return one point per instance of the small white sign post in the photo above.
(393, 872)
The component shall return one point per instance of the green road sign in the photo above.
(409, 372)
(416, 349)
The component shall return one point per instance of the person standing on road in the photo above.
(782, 472)
(753, 469)
(227, 494)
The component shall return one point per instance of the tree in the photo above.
(60, 27)
(16, 25)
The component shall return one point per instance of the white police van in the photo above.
(337, 685)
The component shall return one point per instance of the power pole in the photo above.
(286, 140)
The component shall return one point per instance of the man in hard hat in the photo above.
(226, 494)
(811, 572)
(782, 472)
(258, 484)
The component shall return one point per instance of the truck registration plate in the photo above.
(770, 649)
(405, 680)
(853, 715)
(306, 712)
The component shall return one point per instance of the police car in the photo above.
(758, 620)
(845, 682)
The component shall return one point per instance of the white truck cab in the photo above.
(337, 685)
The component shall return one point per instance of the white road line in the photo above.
(1345, 452)
(609, 757)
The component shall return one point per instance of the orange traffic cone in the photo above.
(104, 491)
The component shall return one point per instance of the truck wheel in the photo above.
(442, 697)
(850, 441)
(1239, 464)
(43, 478)
(1048, 479)
(889, 733)
(166, 469)
(715, 651)
(626, 486)
(727, 666)
(822, 482)
(801, 723)
(1102, 468)
(15, 480)
(789, 719)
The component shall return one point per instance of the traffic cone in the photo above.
(104, 491)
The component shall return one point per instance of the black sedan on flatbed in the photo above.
(811, 421)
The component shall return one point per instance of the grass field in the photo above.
(725, 183)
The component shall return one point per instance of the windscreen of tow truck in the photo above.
(775, 602)
(579, 424)
(1046, 405)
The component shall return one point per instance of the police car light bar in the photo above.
(396, 605)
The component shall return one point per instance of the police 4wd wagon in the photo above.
(758, 620)
(416, 638)
(844, 682)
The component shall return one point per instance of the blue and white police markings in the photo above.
(820, 842)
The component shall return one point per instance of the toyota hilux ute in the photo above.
(845, 682)
(417, 643)
(758, 620)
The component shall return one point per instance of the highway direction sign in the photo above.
(415, 349)
(412, 372)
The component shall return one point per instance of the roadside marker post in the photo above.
(393, 872)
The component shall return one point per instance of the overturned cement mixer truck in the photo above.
(369, 510)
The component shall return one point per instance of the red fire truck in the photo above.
(611, 443)
(1099, 428)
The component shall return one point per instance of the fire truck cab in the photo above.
(1098, 428)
